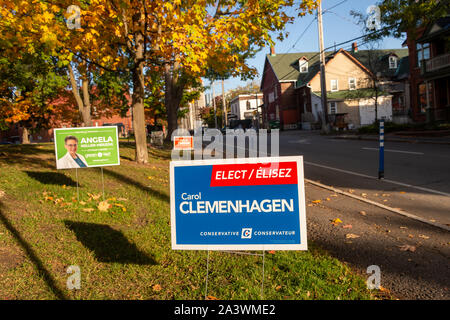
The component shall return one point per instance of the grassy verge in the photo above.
(121, 241)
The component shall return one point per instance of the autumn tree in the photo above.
(28, 87)
(180, 37)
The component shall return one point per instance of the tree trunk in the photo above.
(86, 111)
(140, 135)
(83, 107)
(25, 139)
(172, 97)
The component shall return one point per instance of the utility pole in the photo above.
(224, 105)
(323, 84)
(214, 105)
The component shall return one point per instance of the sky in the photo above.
(338, 26)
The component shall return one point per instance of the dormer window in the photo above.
(303, 65)
(393, 62)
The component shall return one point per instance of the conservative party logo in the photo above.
(246, 233)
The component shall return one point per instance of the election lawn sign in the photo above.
(94, 146)
(238, 204)
(183, 143)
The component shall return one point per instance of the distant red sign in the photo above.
(183, 143)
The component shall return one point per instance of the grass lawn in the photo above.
(122, 246)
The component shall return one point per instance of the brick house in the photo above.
(429, 61)
(291, 86)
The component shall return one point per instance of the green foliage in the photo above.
(207, 115)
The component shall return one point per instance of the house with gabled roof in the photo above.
(291, 86)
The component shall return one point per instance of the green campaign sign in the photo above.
(86, 147)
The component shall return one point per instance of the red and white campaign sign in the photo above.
(254, 174)
(183, 143)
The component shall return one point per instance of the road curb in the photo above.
(400, 212)
(392, 140)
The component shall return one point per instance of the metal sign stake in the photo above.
(78, 192)
(207, 272)
(103, 185)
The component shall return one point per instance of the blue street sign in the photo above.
(238, 204)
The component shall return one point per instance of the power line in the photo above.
(342, 2)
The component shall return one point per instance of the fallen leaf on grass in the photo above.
(364, 194)
(410, 235)
(407, 247)
(211, 298)
(103, 206)
(278, 288)
(402, 192)
(351, 236)
(157, 287)
(347, 226)
(362, 213)
(424, 236)
(403, 227)
(122, 199)
(328, 199)
(94, 196)
(351, 190)
(88, 209)
(82, 203)
(2, 193)
(272, 251)
(316, 201)
(336, 221)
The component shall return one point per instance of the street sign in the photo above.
(86, 147)
(238, 204)
(183, 143)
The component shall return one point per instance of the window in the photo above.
(334, 85)
(392, 62)
(333, 107)
(423, 53)
(351, 83)
(303, 66)
(249, 107)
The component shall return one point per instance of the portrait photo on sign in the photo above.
(71, 159)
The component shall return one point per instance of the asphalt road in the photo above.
(417, 176)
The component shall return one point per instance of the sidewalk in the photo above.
(413, 257)
(396, 138)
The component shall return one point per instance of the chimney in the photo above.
(272, 51)
(354, 47)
